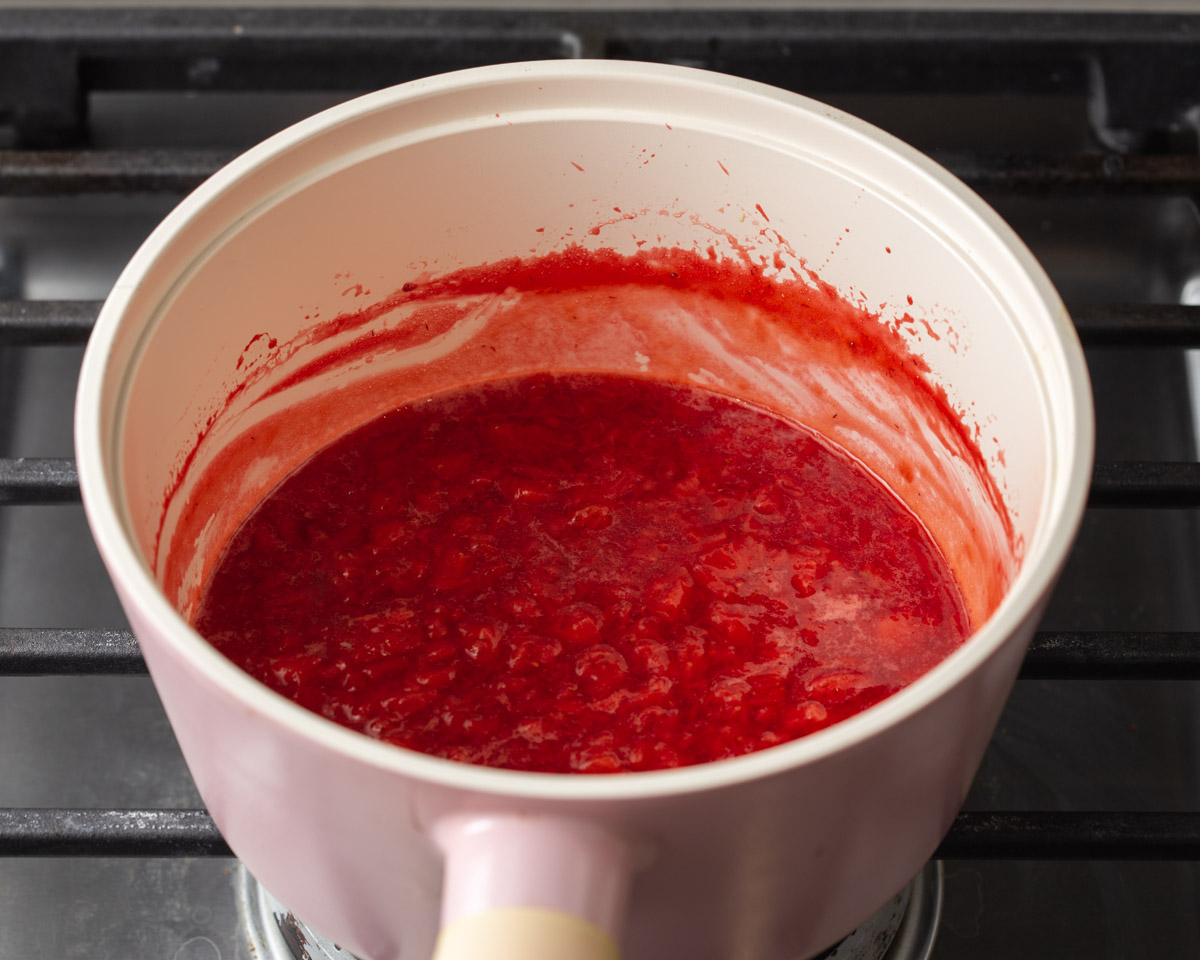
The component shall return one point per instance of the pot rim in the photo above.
(1061, 508)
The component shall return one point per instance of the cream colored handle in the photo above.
(524, 933)
(531, 886)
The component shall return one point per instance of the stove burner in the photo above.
(274, 931)
(904, 929)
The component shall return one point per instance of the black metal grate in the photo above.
(1078, 655)
(994, 836)
(50, 61)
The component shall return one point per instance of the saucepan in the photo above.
(232, 348)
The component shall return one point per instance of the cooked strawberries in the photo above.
(583, 573)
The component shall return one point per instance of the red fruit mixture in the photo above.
(583, 573)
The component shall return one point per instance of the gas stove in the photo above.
(1081, 833)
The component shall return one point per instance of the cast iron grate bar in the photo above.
(1129, 325)
(1129, 483)
(44, 651)
(109, 833)
(974, 835)
(1093, 655)
(28, 480)
(1143, 483)
(1076, 174)
(43, 322)
(53, 173)
(1072, 836)
(1125, 325)
(39, 651)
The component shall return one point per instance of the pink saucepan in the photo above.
(214, 370)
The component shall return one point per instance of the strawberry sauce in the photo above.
(583, 573)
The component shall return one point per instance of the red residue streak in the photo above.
(722, 166)
(845, 333)
(571, 268)
(577, 166)
(595, 230)
(758, 207)
(253, 341)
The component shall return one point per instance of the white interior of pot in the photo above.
(338, 215)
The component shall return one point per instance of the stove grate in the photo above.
(1129, 85)
(60, 173)
(1053, 655)
(50, 59)
(975, 835)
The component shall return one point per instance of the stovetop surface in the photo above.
(1061, 745)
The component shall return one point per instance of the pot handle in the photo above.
(531, 887)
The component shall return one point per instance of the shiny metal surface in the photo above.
(905, 928)
(275, 932)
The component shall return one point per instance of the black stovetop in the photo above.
(1080, 129)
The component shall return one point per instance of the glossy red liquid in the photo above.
(583, 573)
